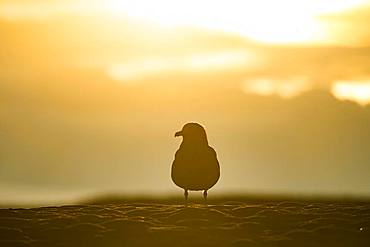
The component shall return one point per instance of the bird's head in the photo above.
(193, 133)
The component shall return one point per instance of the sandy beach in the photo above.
(231, 223)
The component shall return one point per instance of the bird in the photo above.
(195, 167)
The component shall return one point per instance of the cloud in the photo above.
(131, 51)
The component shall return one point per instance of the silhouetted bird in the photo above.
(195, 166)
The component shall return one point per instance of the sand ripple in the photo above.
(229, 224)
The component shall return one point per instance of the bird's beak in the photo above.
(178, 133)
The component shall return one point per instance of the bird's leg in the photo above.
(186, 193)
(205, 196)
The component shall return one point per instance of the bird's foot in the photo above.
(205, 194)
(186, 194)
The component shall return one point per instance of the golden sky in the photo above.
(222, 27)
(92, 91)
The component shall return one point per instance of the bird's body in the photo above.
(195, 169)
(195, 166)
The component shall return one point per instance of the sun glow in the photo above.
(286, 88)
(261, 21)
(285, 21)
(358, 91)
(152, 66)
